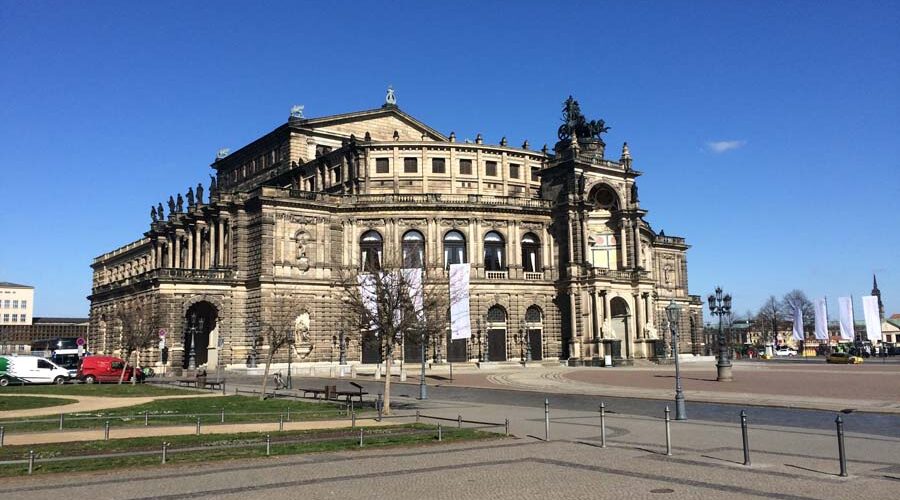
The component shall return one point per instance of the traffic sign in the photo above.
(162, 333)
(79, 341)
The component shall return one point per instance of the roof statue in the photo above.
(574, 123)
(159, 211)
(390, 99)
(297, 111)
(213, 185)
(172, 205)
(199, 193)
(634, 194)
(222, 153)
(190, 197)
(179, 203)
(153, 213)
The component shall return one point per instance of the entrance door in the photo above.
(199, 321)
(534, 340)
(412, 349)
(456, 350)
(497, 344)
(371, 349)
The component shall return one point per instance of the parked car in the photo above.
(30, 370)
(98, 369)
(843, 358)
(785, 351)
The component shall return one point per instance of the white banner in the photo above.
(460, 326)
(367, 294)
(821, 319)
(413, 279)
(845, 308)
(873, 318)
(797, 330)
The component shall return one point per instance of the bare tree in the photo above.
(140, 323)
(393, 305)
(796, 298)
(768, 317)
(280, 327)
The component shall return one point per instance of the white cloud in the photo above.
(719, 147)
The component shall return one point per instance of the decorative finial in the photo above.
(390, 99)
(222, 153)
(525, 144)
(396, 135)
(626, 154)
(367, 137)
(503, 141)
(297, 111)
(452, 136)
(479, 139)
(544, 149)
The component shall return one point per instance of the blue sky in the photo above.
(767, 132)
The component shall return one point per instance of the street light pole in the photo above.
(290, 384)
(720, 305)
(673, 313)
(482, 334)
(423, 388)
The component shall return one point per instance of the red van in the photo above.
(95, 369)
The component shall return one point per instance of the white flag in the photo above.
(873, 318)
(821, 319)
(413, 279)
(845, 308)
(460, 325)
(367, 294)
(797, 331)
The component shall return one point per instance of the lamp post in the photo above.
(342, 352)
(527, 341)
(482, 334)
(291, 340)
(423, 388)
(720, 305)
(673, 313)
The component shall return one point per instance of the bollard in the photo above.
(745, 438)
(223, 388)
(30, 461)
(506, 427)
(353, 420)
(198, 426)
(165, 449)
(602, 424)
(289, 414)
(360, 438)
(841, 454)
(417, 416)
(146, 418)
(459, 421)
(61, 418)
(547, 419)
(668, 434)
(222, 417)
(2, 435)
(268, 445)
(379, 406)
(440, 432)
(281, 422)
(106, 431)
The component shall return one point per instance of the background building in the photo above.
(16, 303)
(557, 241)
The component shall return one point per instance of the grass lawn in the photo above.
(180, 411)
(25, 402)
(107, 390)
(312, 441)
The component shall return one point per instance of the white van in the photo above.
(31, 370)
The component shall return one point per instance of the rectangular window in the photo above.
(513, 170)
(490, 168)
(465, 167)
(410, 165)
(6, 304)
(22, 318)
(336, 173)
(6, 318)
(15, 304)
(15, 318)
(382, 166)
(438, 166)
(24, 304)
(534, 174)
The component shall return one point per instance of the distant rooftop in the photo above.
(46, 320)
(7, 284)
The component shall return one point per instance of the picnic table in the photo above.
(331, 392)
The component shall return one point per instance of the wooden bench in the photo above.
(187, 382)
(215, 384)
(314, 392)
(349, 395)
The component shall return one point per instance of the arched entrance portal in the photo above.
(199, 320)
(620, 318)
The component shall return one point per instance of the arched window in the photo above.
(531, 253)
(371, 247)
(413, 250)
(494, 252)
(454, 248)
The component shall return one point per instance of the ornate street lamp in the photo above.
(673, 314)
(720, 305)
(423, 388)
(527, 339)
(482, 335)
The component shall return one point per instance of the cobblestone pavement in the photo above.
(788, 463)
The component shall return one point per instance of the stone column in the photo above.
(177, 250)
(623, 248)
(638, 315)
(190, 249)
(198, 246)
(637, 243)
(572, 322)
(220, 242)
(213, 254)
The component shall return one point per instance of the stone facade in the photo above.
(557, 242)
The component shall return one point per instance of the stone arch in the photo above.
(606, 196)
(497, 324)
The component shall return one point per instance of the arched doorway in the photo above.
(199, 320)
(496, 329)
(620, 319)
(534, 325)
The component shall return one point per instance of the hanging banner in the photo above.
(821, 319)
(873, 318)
(413, 280)
(797, 331)
(367, 294)
(460, 326)
(845, 308)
